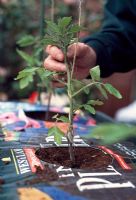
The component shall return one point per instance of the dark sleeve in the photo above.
(115, 44)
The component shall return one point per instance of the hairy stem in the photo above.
(86, 86)
(70, 71)
(60, 81)
(70, 133)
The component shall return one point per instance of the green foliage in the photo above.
(89, 108)
(16, 20)
(109, 133)
(76, 85)
(27, 40)
(34, 69)
(95, 73)
(29, 59)
(24, 82)
(102, 90)
(44, 74)
(26, 76)
(61, 34)
(57, 133)
(63, 119)
(112, 90)
(95, 102)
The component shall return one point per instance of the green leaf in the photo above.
(74, 29)
(102, 90)
(30, 69)
(61, 33)
(95, 102)
(89, 108)
(112, 90)
(77, 82)
(29, 59)
(64, 22)
(24, 82)
(43, 72)
(58, 134)
(76, 85)
(51, 131)
(21, 75)
(45, 75)
(49, 41)
(52, 27)
(95, 73)
(86, 90)
(38, 50)
(27, 40)
(77, 107)
(63, 119)
(26, 72)
(111, 133)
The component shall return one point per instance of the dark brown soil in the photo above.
(86, 157)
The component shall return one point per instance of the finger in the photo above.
(48, 48)
(79, 48)
(54, 65)
(55, 52)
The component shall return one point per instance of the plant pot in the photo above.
(41, 115)
(85, 157)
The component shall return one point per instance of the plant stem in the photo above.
(86, 86)
(70, 71)
(80, 12)
(62, 82)
(70, 133)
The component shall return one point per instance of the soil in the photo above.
(86, 157)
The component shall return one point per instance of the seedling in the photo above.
(62, 34)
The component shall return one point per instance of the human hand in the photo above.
(85, 59)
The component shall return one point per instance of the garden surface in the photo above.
(24, 174)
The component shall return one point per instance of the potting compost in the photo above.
(26, 173)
